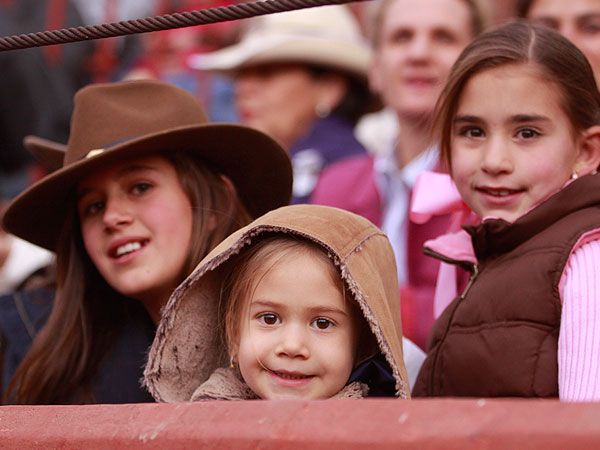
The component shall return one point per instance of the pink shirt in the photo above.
(579, 338)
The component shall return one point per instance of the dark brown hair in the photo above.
(87, 313)
(555, 58)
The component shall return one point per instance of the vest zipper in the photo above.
(474, 273)
(473, 268)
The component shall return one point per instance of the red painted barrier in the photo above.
(331, 424)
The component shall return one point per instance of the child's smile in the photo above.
(290, 379)
(512, 144)
(298, 333)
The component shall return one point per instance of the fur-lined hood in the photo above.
(188, 346)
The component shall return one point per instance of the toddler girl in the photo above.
(308, 303)
(519, 120)
(147, 188)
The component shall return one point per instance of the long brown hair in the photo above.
(88, 314)
(556, 59)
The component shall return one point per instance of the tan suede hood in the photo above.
(188, 346)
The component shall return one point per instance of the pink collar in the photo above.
(435, 194)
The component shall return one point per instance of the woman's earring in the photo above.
(574, 175)
(322, 110)
(232, 362)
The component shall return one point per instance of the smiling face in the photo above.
(578, 20)
(298, 334)
(136, 223)
(512, 145)
(418, 43)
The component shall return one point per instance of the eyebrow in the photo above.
(134, 168)
(588, 16)
(314, 310)
(124, 171)
(517, 118)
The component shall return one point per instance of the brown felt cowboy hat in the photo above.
(114, 121)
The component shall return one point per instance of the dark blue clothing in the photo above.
(377, 374)
(331, 139)
(23, 313)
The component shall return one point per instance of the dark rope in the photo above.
(158, 23)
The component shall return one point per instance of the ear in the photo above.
(233, 351)
(333, 88)
(228, 183)
(233, 347)
(588, 159)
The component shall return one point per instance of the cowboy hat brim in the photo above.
(345, 57)
(257, 166)
(50, 154)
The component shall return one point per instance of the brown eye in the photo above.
(527, 133)
(399, 36)
(92, 208)
(140, 188)
(547, 22)
(322, 324)
(269, 319)
(444, 36)
(471, 131)
(590, 25)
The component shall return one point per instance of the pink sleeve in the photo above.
(579, 339)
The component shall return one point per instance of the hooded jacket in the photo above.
(188, 346)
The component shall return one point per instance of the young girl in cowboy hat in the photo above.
(306, 299)
(148, 187)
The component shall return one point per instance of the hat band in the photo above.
(94, 152)
(97, 151)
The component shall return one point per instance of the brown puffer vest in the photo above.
(500, 337)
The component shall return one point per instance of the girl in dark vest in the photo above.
(146, 189)
(519, 128)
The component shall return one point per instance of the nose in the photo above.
(419, 47)
(293, 342)
(246, 83)
(496, 157)
(117, 213)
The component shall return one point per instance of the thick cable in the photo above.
(159, 23)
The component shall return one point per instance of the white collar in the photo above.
(385, 165)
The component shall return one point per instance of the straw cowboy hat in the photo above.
(327, 36)
(114, 121)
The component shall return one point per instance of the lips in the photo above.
(124, 247)
(423, 81)
(499, 192)
(290, 375)
(245, 114)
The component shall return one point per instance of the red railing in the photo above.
(332, 424)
